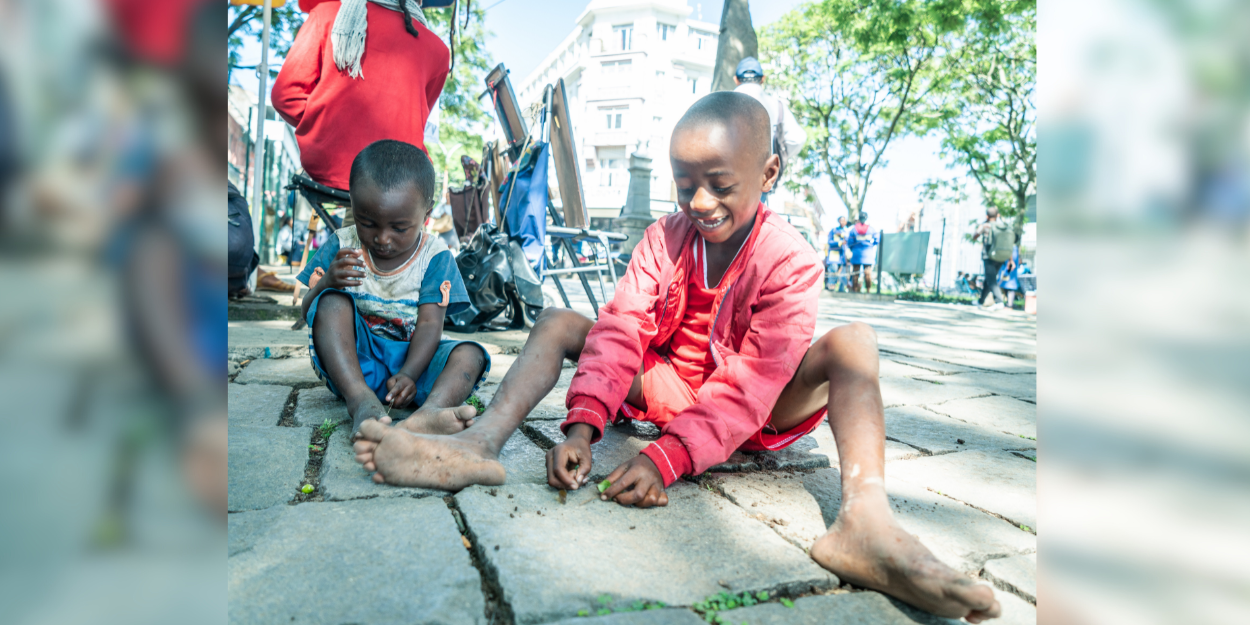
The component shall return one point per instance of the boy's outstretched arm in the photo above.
(402, 387)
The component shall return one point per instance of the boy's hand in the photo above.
(347, 270)
(400, 390)
(573, 452)
(637, 483)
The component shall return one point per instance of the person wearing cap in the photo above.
(750, 79)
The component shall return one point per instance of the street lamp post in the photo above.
(258, 191)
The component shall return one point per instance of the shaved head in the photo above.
(738, 112)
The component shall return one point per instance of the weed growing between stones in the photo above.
(477, 403)
(605, 607)
(327, 428)
(310, 489)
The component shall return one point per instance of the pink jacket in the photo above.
(763, 319)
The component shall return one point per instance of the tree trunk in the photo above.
(737, 41)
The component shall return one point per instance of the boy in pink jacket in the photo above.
(708, 336)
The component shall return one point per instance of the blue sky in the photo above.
(525, 31)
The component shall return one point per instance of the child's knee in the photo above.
(469, 356)
(855, 334)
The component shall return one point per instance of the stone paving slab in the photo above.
(266, 465)
(1016, 611)
(646, 617)
(963, 357)
(296, 372)
(895, 369)
(358, 562)
(553, 560)
(961, 536)
(938, 434)
(917, 392)
(778, 501)
(245, 527)
(251, 339)
(524, 462)
(1017, 574)
(256, 404)
(932, 367)
(1004, 414)
(995, 481)
(314, 405)
(1021, 386)
(859, 608)
(827, 446)
(342, 478)
(621, 443)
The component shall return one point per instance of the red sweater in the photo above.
(336, 116)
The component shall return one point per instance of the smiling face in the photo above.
(720, 175)
(389, 221)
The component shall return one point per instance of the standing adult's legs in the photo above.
(471, 457)
(989, 284)
(865, 545)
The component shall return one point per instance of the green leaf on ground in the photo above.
(786, 602)
(605, 599)
(583, 612)
(762, 595)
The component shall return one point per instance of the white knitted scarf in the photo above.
(347, 38)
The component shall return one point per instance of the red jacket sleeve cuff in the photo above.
(588, 410)
(670, 457)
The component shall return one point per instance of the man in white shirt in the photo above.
(750, 79)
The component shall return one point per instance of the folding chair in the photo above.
(570, 227)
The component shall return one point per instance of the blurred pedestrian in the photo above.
(285, 239)
(861, 243)
(998, 240)
(788, 135)
(835, 257)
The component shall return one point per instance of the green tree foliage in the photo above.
(988, 117)
(464, 119)
(246, 22)
(860, 73)
(462, 115)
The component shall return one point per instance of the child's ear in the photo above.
(772, 169)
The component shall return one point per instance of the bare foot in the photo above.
(439, 420)
(402, 458)
(364, 408)
(867, 547)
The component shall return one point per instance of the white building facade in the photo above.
(631, 69)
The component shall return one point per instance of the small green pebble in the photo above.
(604, 485)
(308, 488)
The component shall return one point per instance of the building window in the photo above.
(617, 67)
(694, 84)
(623, 36)
(703, 40)
(664, 31)
(613, 116)
(613, 172)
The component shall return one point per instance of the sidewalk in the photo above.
(960, 390)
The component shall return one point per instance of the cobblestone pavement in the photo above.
(960, 390)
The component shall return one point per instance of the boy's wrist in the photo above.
(580, 432)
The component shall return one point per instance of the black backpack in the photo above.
(242, 259)
(499, 279)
